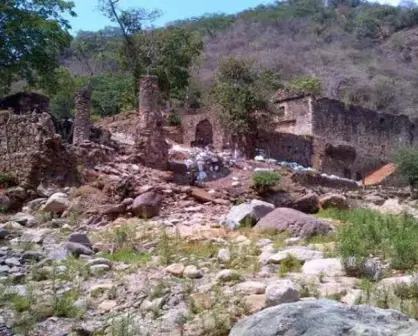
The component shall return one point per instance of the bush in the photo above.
(407, 164)
(364, 233)
(174, 119)
(306, 84)
(264, 179)
(8, 180)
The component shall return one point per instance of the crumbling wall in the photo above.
(375, 137)
(30, 149)
(190, 124)
(287, 147)
(151, 148)
(295, 116)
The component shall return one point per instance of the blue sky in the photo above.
(89, 17)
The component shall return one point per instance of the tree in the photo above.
(238, 98)
(407, 164)
(306, 84)
(130, 23)
(168, 53)
(32, 36)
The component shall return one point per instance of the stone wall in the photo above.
(30, 148)
(374, 137)
(82, 122)
(190, 123)
(295, 116)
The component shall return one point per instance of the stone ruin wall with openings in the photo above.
(30, 149)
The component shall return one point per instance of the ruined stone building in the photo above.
(345, 140)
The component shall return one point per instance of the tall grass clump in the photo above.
(364, 233)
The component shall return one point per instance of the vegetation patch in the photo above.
(364, 233)
(129, 256)
(263, 180)
(289, 264)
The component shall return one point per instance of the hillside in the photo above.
(363, 53)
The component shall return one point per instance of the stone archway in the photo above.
(204, 134)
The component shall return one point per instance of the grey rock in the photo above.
(224, 255)
(227, 275)
(24, 219)
(98, 270)
(4, 201)
(300, 253)
(59, 254)
(4, 270)
(147, 205)
(80, 238)
(192, 272)
(3, 233)
(34, 236)
(57, 203)
(99, 261)
(281, 291)
(12, 262)
(326, 267)
(247, 213)
(325, 318)
(293, 222)
(35, 204)
(32, 255)
(78, 249)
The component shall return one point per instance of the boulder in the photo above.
(24, 219)
(224, 255)
(57, 203)
(78, 249)
(147, 205)
(4, 202)
(247, 213)
(3, 233)
(192, 272)
(326, 267)
(175, 269)
(334, 201)
(281, 291)
(292, 221)
(201, 195)
(301, 253)
(307, 204)
(80, 238)
(325, 318)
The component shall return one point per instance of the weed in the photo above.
(159, 290)
(3, 209)
(63, 306)
(124, 326)
(289, 264)
(263, 180)
(308, 288)
(336, 296)
(8, 180)
(24, 324)
(365, 232)
(128, 256)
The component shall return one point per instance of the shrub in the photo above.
(407, 164)
(174, 119)
(8, 180)
(265, 179)
(306, 84)
(364, 233)
(289, 264)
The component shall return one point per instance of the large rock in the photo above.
(281, 291)
(307, 204)
(333, 201)
(247, 213)
(301, 253)
(147, 205)
(24, 219)
(301, 200)
(4, 202)
(325, 318)
(201, 195)
(327, 267)
(57, 203)
(292, 221)
(80, 238)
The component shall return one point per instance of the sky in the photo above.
(89, 17)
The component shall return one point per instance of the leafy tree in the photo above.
(32, 35)
(130, 22)
(169, 53)
(238, 99)
(407, 164)
(306, 84)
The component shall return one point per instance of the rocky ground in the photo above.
(133, 253)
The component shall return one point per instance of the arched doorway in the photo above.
(204, 134)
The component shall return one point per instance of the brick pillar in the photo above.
(82, 117)
(151, 148)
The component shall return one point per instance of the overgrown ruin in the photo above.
(82, 122)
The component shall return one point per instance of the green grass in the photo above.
(289, 264)
(364, 233)
(128, 256)
(264, 179)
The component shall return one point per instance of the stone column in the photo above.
(82, 117)
(151, 148)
